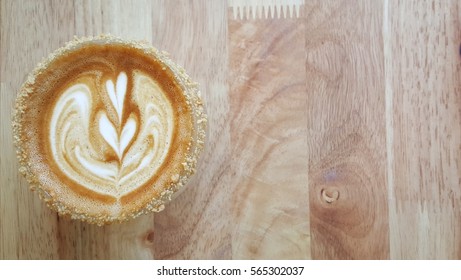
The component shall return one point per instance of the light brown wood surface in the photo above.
(269, 140)
(425, 195)
(346, 130)
(335, 135)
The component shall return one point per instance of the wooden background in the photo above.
(335, 135)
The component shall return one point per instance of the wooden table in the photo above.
(334, 135)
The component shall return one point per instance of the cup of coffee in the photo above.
(108, 129)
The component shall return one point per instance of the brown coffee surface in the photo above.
(108, 130)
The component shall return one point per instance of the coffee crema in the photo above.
(108, 129)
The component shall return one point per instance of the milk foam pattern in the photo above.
(118, 141)
(138, 142)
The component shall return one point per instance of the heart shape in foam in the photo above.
(117, 94)
(109, 133)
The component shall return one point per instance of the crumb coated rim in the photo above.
(157, 204)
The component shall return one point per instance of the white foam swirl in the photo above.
(139, 142)
(117, 95)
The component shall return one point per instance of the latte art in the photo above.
(137, 144)
(107, 129)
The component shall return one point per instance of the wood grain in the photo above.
(196, 224)
(346, 130)
(268, 134)
(335, 135)
(28, 229)
(425, 202)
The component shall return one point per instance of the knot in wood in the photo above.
(329, 196)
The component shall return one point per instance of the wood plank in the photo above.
(197, 224)
(346, 130)
(28, 228)
(130, 240)
(130, 19)
(425, 207)
(268, 135)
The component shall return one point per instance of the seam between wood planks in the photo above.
(389, 109)
(241, 9)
